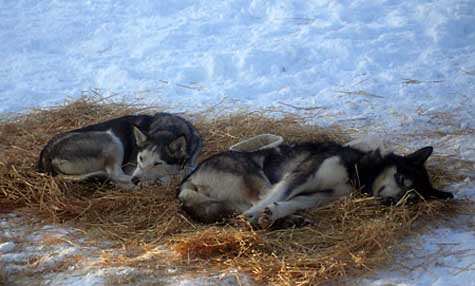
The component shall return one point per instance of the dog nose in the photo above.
(135, 180)
(388, 201)
(412, 198)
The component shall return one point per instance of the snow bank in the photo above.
(387, 62)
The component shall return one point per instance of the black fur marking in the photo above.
(122, 127)
(293, 165)
(328, 192)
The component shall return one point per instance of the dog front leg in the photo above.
(83, 177)
(281, 209)
(277, 193)
(118, 176)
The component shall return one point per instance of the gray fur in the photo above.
(272, 184)
(111, 149)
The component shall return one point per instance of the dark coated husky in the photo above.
(127, 149)
(274, 183)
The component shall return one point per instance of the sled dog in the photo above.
(270, 184)
(127, 149)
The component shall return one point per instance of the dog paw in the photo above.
(135, 180)
(265, 218)
(127, 187)
(306, 222)
(150, 182)
(147, 183)
(251, 217)
(296, 221)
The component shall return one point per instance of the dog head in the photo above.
(159, 156)
(394, 176)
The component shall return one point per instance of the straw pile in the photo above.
(352, 235)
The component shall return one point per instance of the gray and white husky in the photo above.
(270, 184)
(127, 149)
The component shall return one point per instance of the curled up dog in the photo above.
(272, 184)
(126, 150)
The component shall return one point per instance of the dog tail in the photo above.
(41, 166)
(44, 164)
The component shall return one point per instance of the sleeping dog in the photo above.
(270, 184)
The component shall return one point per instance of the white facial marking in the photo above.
(385, 185)
(150, 167)
(148, 159)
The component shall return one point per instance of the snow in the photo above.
(7, 247)
(365, 56)
(394, 69)
(442, 256)
(450, 261)
(54, 255)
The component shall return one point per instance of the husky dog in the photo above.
(270, 184)
(127, 149)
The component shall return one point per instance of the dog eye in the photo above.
(402, 181)
(140, 158)
(157, 163)
(399, 179)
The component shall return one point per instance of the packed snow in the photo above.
(398, 69)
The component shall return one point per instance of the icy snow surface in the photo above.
(391, 68)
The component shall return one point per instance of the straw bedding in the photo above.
(348, 237)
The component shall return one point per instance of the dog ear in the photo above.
(420, 156)
(372, 158)
(178, 146)
(140, 137)
(440, 194)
